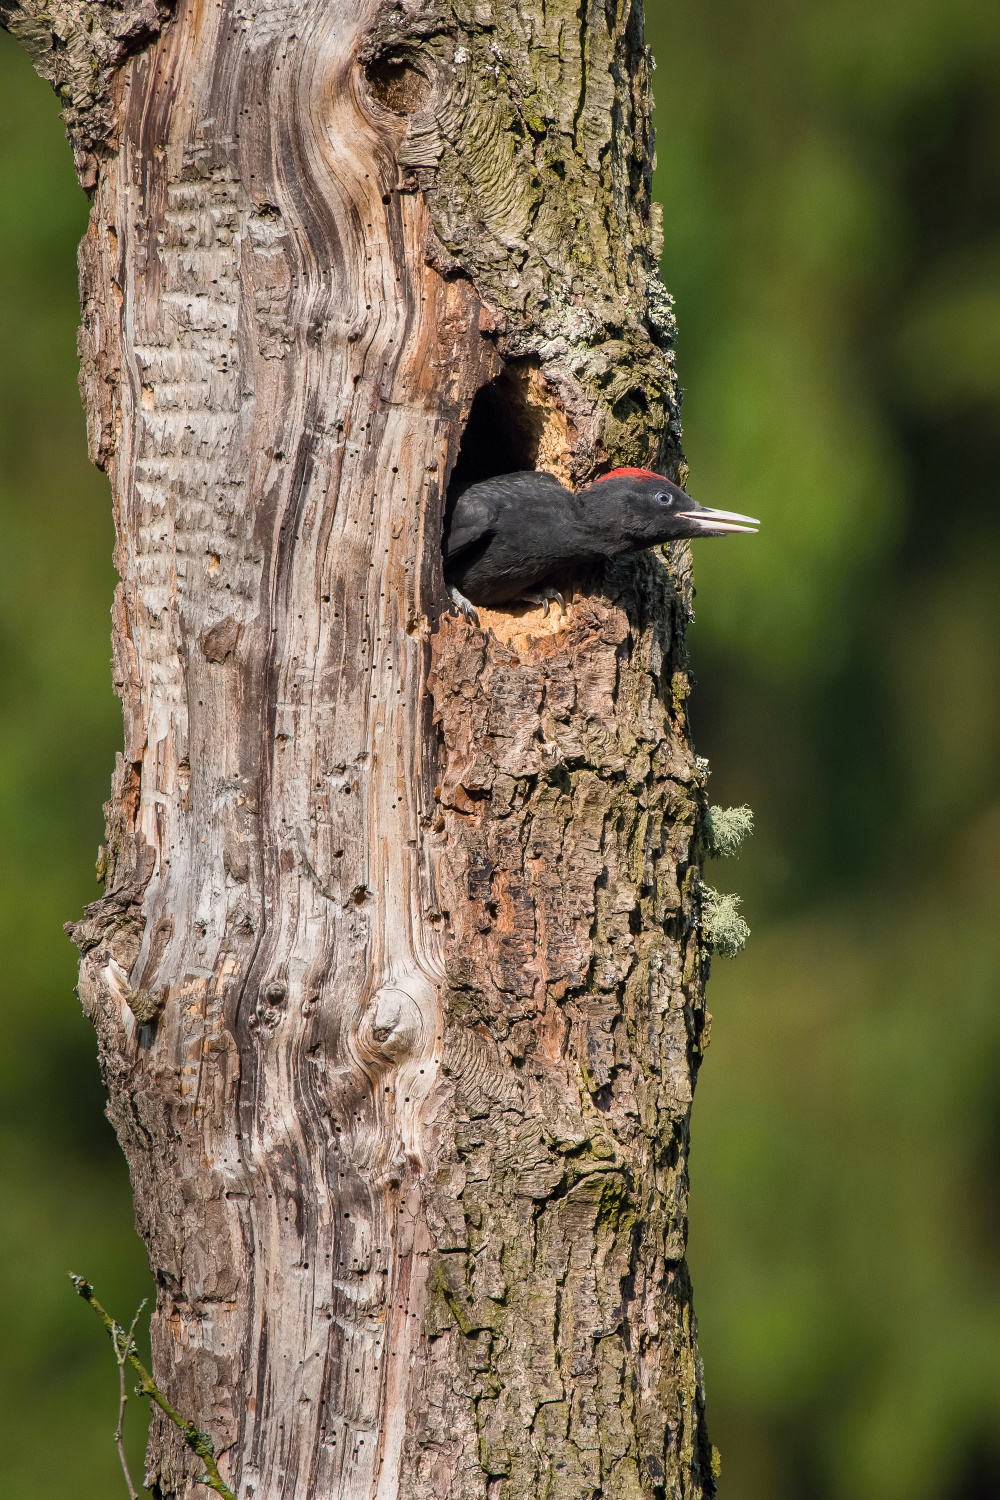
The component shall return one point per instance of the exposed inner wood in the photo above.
(521, 624)
(397, 976)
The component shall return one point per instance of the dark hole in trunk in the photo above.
(502, 434)
(515, 424)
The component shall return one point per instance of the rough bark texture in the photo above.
(397, 978)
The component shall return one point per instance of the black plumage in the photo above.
(507, 535)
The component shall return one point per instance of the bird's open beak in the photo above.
(707, 522)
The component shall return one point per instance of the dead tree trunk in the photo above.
(397, 978)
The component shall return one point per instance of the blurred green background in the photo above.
(64, 1202)
(831, 180)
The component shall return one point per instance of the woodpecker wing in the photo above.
(477, 510)
(472, 520)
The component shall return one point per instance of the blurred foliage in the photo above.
(831, 176)
(831, 179)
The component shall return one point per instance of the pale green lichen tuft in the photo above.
(723, 929)
(724, 830)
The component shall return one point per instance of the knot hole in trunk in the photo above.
(397, 82)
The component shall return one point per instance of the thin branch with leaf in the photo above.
(124, 1346)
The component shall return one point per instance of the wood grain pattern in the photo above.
(397, 976)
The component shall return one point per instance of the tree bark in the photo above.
(398, 977)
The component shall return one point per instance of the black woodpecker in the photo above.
(506, 538)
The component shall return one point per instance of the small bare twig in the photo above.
(199, 1442)
(123, 1344)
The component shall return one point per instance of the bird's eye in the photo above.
(664, 499)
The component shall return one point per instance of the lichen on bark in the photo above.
(534, 151)
(575, 1024)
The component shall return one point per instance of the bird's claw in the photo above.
(543, 597)
(464, 606)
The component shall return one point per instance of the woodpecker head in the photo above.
(650, 509)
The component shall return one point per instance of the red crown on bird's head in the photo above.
(630, 474)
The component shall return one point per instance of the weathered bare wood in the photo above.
(397, 976)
